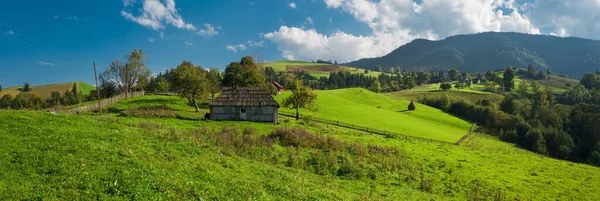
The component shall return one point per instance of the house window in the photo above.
(243, 110)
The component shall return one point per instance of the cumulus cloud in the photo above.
(396, 22)
(208, 31)
(56, 16)
(292, 5)
(574, 17)
(151, 40)
(11, 32)
(235, 48)
(189, 43)
(155, 14)
(44, 63)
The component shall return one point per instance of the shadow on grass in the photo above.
(403, 111)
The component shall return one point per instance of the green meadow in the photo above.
(364, 108)
(114, 156)
(315, 69)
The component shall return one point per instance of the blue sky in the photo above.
(45, 42)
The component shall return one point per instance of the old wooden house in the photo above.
(246, 104)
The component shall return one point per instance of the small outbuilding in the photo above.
(245, 104)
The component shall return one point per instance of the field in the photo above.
(46, 90)
(315, 69)
(111, 156)
(364, 108)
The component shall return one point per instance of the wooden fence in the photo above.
(103, 103)
(462, 139)
(362, 128)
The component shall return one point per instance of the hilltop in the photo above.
(315, 69)
(46, 90)
(489, 51)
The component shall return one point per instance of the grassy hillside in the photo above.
(364, 108)
(106, 156)
(315, 69)
(46, 90)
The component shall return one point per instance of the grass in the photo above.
(315, 69)
(46, 90)
(106, 156)
(364, 108)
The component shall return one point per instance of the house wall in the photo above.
(258, 113)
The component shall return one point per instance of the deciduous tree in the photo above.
(190, 82)
(301, 97)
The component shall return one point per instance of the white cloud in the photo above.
(292, 5)
(255, 43)
(235, 48)
(189, 43)
(208, 31)
(396, 22)
(154, 13)
(330, 20)
(162, 35)
(310, 20)
(574, 17)
(44, 63)
(56, 17)
(128, 2)
(11, 32)
(151, 40)
(72, 17)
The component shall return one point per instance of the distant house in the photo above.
(278, 87)
(246, 104)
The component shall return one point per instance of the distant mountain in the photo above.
(493, 50)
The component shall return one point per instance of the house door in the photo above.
(243, 114)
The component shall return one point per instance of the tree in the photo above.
(445, 86)
(523, 89)
(409, 82)
(243, 74)
(459, 85)
(509, 75)
(189, 81)
(6, 101)
(162, 85)
(214, 81)
(591, 81)
(127, 75)
(301, 97)
(453, 74)
(0, 88)
(35, 102)
(423, 77)
(367, 71)
(55, 98)
(379, 69)
(19, 102)
(391, 70)
(26, 87)
(597, 71)
(376, 86)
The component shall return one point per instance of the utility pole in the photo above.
(97, 90)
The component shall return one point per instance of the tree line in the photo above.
(33, 100)
(565, 126)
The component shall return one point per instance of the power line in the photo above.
(39, 47)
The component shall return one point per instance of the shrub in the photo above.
(160, 111)
(445, 86)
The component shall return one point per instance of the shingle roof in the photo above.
(245, 96)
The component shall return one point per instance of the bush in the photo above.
(445, 86)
